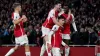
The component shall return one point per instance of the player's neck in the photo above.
(16, 11)
(55, 9)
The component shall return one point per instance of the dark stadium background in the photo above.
(86, 12)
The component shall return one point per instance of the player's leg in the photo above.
(56, 51)
(66, 38)
(12, 50)
(43, 48)
(45, 32)
(27, 48)
(46, 43)
(48, 49)
(68, 49)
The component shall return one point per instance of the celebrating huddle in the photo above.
(55, 28)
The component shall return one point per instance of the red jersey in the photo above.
(67, 25)
(49, 22)
(57, 36)
(18, 28)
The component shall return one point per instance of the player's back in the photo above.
(57, 36)
(49, 22)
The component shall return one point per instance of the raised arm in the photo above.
(73, 23)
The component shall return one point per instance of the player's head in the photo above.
(57, 5)
(61, 20)
(66, 9)
(17, 6)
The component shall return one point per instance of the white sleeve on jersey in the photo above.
(16, 16)
(73, 23)
(55, 28)
(51, 14)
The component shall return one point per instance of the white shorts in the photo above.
(45, 31)
(21, 40)
(56, 51)
(66, 36)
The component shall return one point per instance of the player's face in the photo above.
(66, 9)
(58, 6)
(19, 8)
(61, 21)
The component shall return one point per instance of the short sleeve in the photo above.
(51, 13)
(55, 28)
(16, 16)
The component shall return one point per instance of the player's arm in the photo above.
(55, 27)
(73, 23)
(69, 13)
(52, 15)
(25, 19)
(55, 21)
(62, 12)
(16, 20)
(64, 44)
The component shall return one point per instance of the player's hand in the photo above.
(66, 46)
(62, 11)
(23, 16)
(69, 11)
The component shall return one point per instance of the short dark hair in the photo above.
(61, 17)
(57, 2)
(15, 5)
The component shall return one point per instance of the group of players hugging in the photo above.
(55, 30)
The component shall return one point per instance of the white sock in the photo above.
(67, 51)
(10, 52)
(48, 52)
(43, 48)
(28, 53)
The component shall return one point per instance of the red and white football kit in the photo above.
(48, 24)
(66, 31)
(55, 39)
(19, 32)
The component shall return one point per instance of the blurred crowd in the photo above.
(86, 12)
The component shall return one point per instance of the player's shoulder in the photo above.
(14, 13)
(55, 26)
(52, 11)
